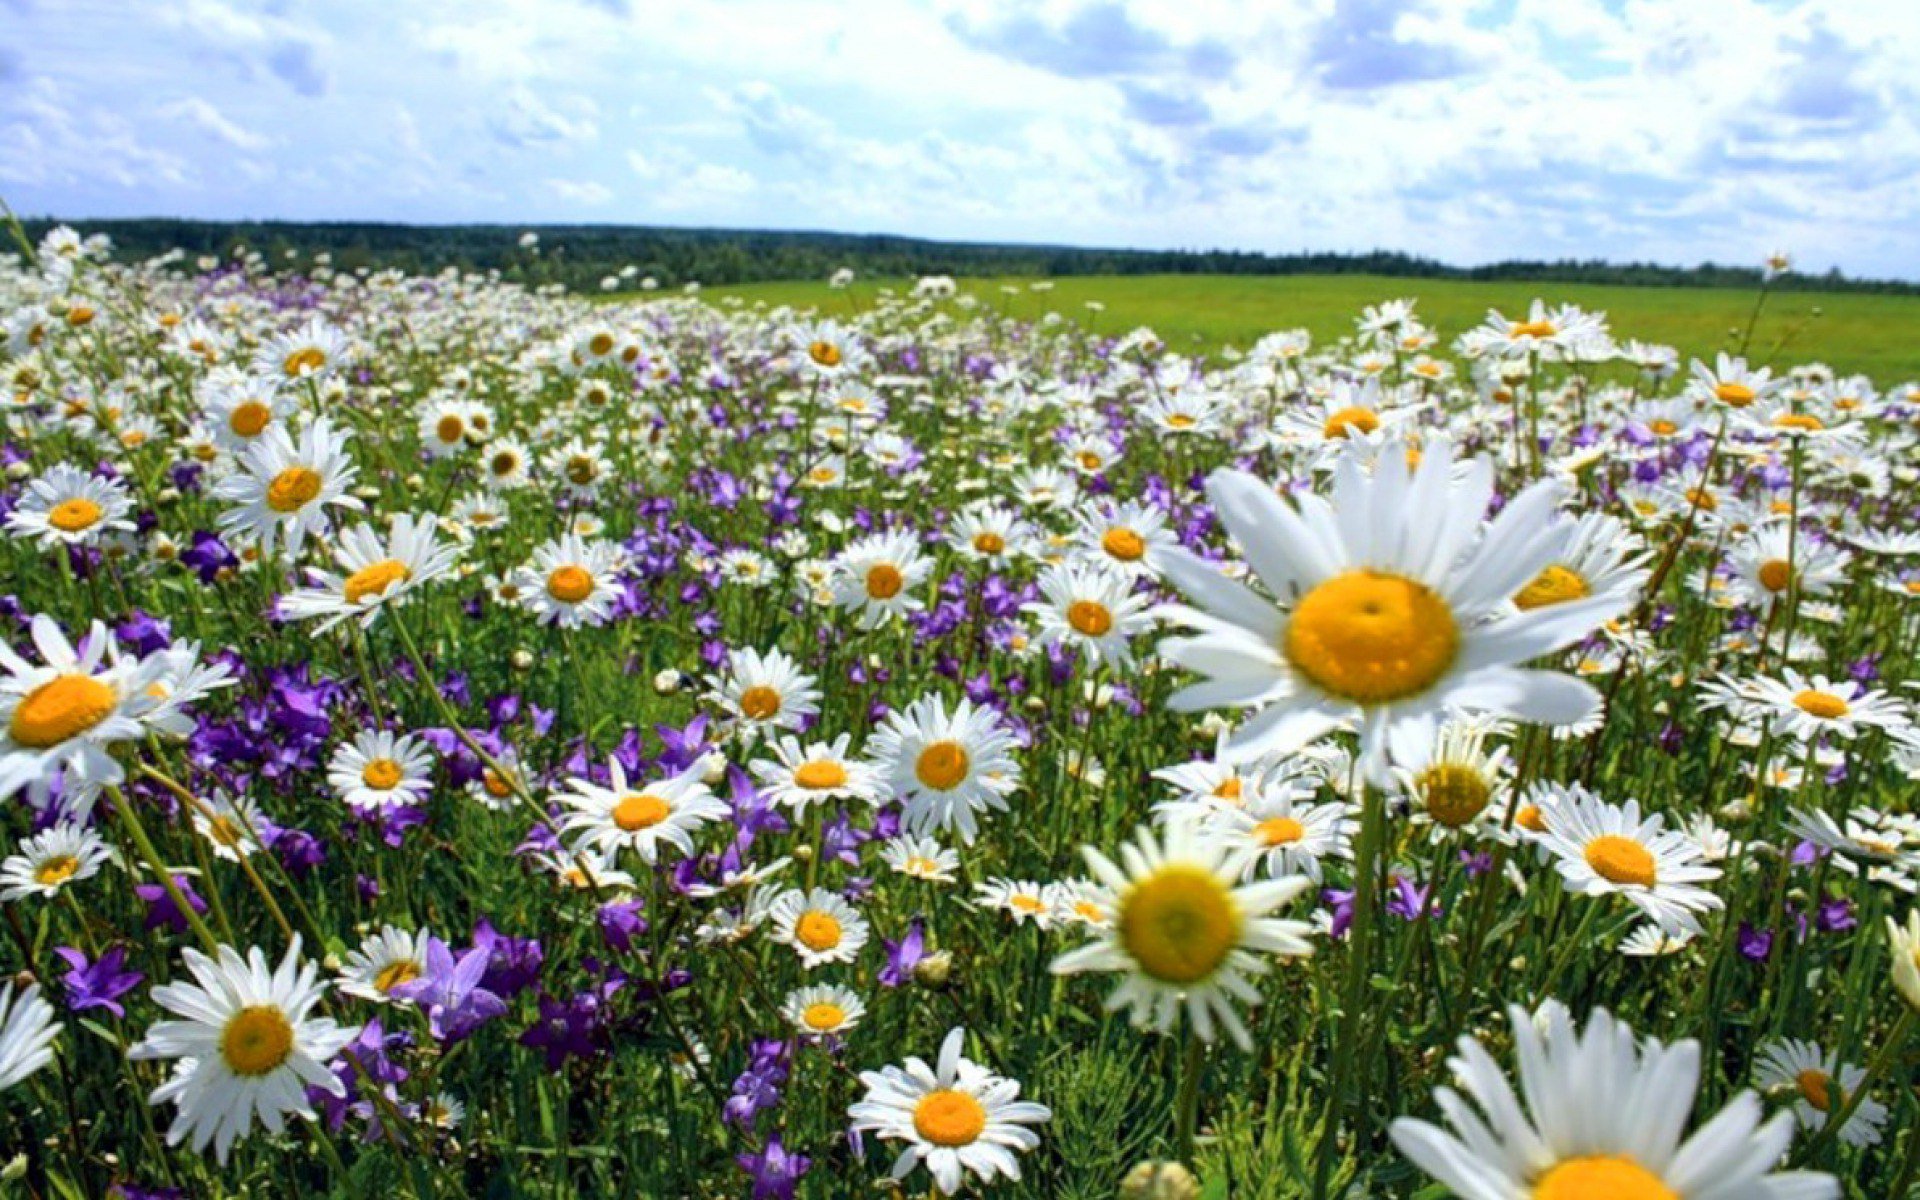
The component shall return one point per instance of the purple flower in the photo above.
(1756, 944)
(162, 913)
(1836, 916)
(904, 955)
(450, 991)
(568, 1028)
(758, 1087)
(774, 1171)
(98, 984)
(513, 964)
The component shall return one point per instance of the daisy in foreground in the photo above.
(374, 571)
(1600, 1113)
(27, 1033)
(1605, 848)
(1389, 606)
(247, 1045)
(1186, 931)
(957, 1117)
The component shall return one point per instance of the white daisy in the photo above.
(570, 581)
(820, 926)
(1022, 899)
(1821, 1085)
(823, 1009)
(383, 962)
(640, 817)
(69, 507)
(875, 577)
(66, 714)
(283, 488)
(48, 861)
(920, 858)
(799, 776)
(374, 572)
(27, 1033)
(310, 352)
(380, 769)
(1605, 849)
(1091, 609)
(765, 691)
(946, 767)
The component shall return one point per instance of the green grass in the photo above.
(1851, 332)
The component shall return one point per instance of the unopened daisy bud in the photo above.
(666, 682)
(23, 980)
(1035, 704)
(521, 660)
(935, 971)
(713, 768)
(19, 470)
(803, 853)
(1159, 1181)
(168, 495)
(1905, 945)
(415, 483)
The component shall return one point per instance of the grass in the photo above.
(1851, 332)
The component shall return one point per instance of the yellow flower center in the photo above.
(1816, 1086)
(1089, 617)
(225, 830)
(941, 766)
(759, 702)
(450, 429)
(640, 810)
(1801, 421)
(1123, 543)
(71, 516)
(1621, 860)
(1349, 421)
(601, 344)
(1532, 329)
(504, 463)
(884, 581)
(1530, 817)
(989, 543)
(1555, 585)
(375, 579)
(256, 1040)
(949, 1118)
(1824, 705)
(817, 931)
(1089, 461)
(581, 470)
(249, 418)
(820, 774)
(1228, 788)
(1181, 421)
(570, 584)
(1661, 427)
(1026, 903)
(1454, 794)
(304, 361)
(293, 489)
(1279, 831)
(823, 1017)
(56, 870)
(61, 708)
(1179, 924)
(1776, 574)
(1733, 395)
(1372, 637)
(383, 774)
(1601, 1177)
(824, 353)
(394, 974)
(920, 865)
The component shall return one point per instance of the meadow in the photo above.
(464, 740)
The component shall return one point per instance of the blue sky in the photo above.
(1470, 130)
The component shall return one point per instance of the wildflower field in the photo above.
(458, 740)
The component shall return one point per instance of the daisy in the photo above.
(640, 817)
(571, 580)
(1807, 708)
(1651, 941)
(946, 767)
(68, 507)
(48, 861)
(283, 488)
(920, 858)
(379, 769)
(445, 428)
(310, 352)
(27, 1033)
(1730, 384)
(582, 467)
(374, 572)
(239, 408)
(823, 1009)
(383, 962)
(1821, 1085)
(876, 577)
(799, 777)
(1605, 849)
(1903, 942)
(1187, 934)
(1392, 609)
(1603, 558)
(1462, 779)
(1046, 488)
(230, 823)
(1280, 835)
(1770, 563)
(989, 533)
(1091, 609)
(956, 1117)
(64, 717)
(477, 513)
(1022, 899)
(1600, 1112)
(820, 926)
(1126, 538)
(504, 467)
(827, 349)
(765, 692)
(248, 1048)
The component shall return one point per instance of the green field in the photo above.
(1851, 332)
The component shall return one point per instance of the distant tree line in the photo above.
(581, 256)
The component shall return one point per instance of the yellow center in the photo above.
(1372, 637)
(941, 766)
(450, 429)
(884, 581)
(1179, 924)
(1530, 817)
(1621, 860)
(820, 774)
(1279, 831)
(1089, 461)
(817, 931)
(1816, 1086)
(1825, 705)
(601, 344)
(304, 361)
(382, 774)
(1733, 395)
(1533, 329)
(1181, 421)
(920, 865)
(56, 870)
(1453, 794)
(1089, 617)
(394, 974)
(504, 463)
(1801, 421)
(496, 785)
(823, 1017)
(759, 702)
(256, 1040)
(374, 579)
(1349, 421)
(989, 543)
(1661, 427)
(248, 419)
(71, 516)
(581, 470)
(641, 810)
(1601, 1177)
(293, 489)
(1124, 544)
(949, 1118)
(1026, 903)
(1555, 585)
(1776, 574)
(825, 354)
(570, 584)
(1228, 789)
(61, 708)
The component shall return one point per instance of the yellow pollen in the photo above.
(56, 870)
(1228, 789)
(1733, 395)
(225, 830)
(1179, 924)
(1372, 637)
(1801, 421)
(1703, 499)
(249, 418)
(817, 931)
(1349, 421)
(641, 810)
(1089, 461)
(1825, 705)
(450, 429)
(504, 463)
(1532, 329)
(949, 1118)
(920, 865)
(1661, 427)
(942, 766)
(1454, 794)
(1621, 860)
(820, 774)
(382, 774)
(824, 354)
(374, 579)
(759, 702)
(1530, 817)
(1026, 904)
(394, 974)
(823, 1017)
(1181, 421)
(1089, 617)
(79, 314)
(71, 516)
(1816, 1086)
(822, 474)
(1279, 831)
(570, 584)
(884, 581)
(293, 489)
(989, 543)
(601, 345)
(1123, 543)
(61, 708)
(1776, 574)
(304, 361)
(1601, 1177)
(1555, 585)
(497, 786)
(256, 1040)
(581, 470)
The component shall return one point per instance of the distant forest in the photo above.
(581, 256)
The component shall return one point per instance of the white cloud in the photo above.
(199, 114)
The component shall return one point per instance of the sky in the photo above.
(1674, 131)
